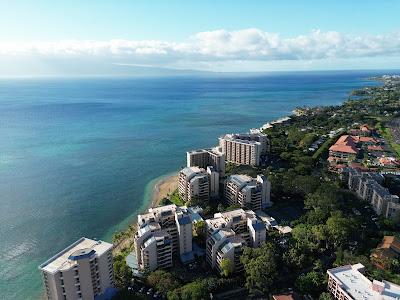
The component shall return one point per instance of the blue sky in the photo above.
(259, 35)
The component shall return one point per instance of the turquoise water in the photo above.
(78, 157)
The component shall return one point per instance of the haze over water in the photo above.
(77, 155)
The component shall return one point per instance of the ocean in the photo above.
(79, 156)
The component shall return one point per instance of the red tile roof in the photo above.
(345, 144)
(365, 127)
(359, 167)
(388, 161)
(375, 148)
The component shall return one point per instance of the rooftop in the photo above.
(192, 171)
(345, 144)
(359, 287)
(68, 257)
(240, 179)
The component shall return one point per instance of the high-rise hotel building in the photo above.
(245, 149)
(165, 232)
(204, 158)
(195, 182)
(228, 233)
(83, 270)
(252, 193)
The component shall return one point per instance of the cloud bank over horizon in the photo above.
(218, 50)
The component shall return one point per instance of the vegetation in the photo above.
(162, 281)
(387, 134)
(227, 267)
(314, 202)
(260, 267)
(122, 272)
(176, 199)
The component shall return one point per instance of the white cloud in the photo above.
(216, 46)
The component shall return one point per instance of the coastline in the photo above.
(155, 191)
(163, 188)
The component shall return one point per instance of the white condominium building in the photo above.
(348, 282)
(204, 158)
(228, 233)
(368, 186)
(195, 182)
(253, 193)
(83, 270)
(163, 232)
(245, 149)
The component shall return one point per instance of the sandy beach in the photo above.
(163, 188)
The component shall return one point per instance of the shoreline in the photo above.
(155, 191)
(163, 188)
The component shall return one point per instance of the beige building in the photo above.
(204, 158)
(349, 282)
(252, 193)
(195, 182)
(368, 186)
(245, 149)
(228, 233)
(165, 232)
(83, 270)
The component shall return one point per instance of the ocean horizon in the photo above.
(80, 156)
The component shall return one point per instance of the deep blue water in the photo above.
(77, 155)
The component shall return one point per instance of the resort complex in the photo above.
(303, 208)
(204, 158)
(368, 186)
(245, 149)
(164, 232)
(195, 182)
(245, 191)
(83, 270)
(228, 233)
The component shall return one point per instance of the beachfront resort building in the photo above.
(245, 149)
(368, 186)
(343, 150)
(349, 282)
(228, 233)
(83, 270)
(252, 193)
(204, 158)
(164, 232)
(198, 183)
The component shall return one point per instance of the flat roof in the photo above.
(360, 287)
(240, 179)
(66, 258)
(192, 171)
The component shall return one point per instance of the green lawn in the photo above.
(387, 135)
(176, 199)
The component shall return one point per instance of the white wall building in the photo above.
(163, 232)
(348, 282)
(83, 270)
(204, 158)
(229, 232)
(368, 186)
(195, 182)
(253, 193)
(245, 149)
